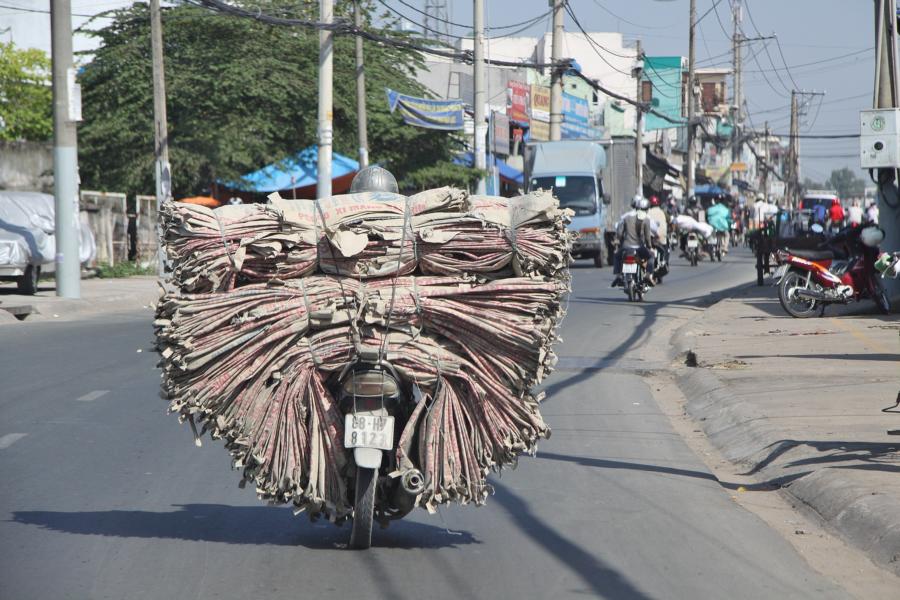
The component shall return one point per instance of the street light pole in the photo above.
(639, 124)
(326, 82)
(66, 112)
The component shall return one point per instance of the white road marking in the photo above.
(91, 396)
(9, 439)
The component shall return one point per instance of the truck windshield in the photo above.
(575, 192)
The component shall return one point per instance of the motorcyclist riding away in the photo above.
(661, 233)
(634, 231)
(719, 217)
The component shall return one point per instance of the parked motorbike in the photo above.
(692, 248)
(840, 271)
(376, 410)
(633, 276)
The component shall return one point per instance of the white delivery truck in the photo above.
(594, 178)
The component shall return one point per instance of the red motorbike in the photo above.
(840, 271)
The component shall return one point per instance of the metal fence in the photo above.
(124, 228)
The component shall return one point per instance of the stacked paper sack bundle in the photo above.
(461, 294)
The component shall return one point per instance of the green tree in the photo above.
(846, 183)
(26, 98)
(240, 95)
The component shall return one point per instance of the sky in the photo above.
(825, 46)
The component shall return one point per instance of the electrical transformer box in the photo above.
(879, 140)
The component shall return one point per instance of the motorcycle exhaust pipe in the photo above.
(413, 482)
(810, 294)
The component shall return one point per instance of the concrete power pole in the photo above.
(639, 124)
(361, 92)
(794, 153)
(556, 75)
(479, 98)
(765, 176)
(66, 112)
(737, 119)
(887, 95)
(326, 82)
(689, 162)
(160, 128)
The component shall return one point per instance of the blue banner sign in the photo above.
(576, 118)
(446, 115)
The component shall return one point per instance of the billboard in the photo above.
(540, 113)
(576, 118)
(517, 101)
(499, 133)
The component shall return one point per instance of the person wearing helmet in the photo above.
(374, 179)
(634, 231)
(660, 226)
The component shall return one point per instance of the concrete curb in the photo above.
(862, 516)
(45, 307)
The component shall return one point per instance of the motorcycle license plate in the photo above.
(780, 271)
(713, 241)
(368, 431)
(629, 268)
(692, 244)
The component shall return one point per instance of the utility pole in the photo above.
(479, 99)
(886, 94)
(66, 112)
(639, 124)
(689, 162)
(326, 82)
(556, 75)
(360, 92)
(160, 129)
(736, 116)
(794, 153)
(765, 175)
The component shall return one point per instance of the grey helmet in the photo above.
(374, 179)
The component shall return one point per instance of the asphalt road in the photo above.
(105, 496)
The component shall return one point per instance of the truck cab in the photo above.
(573, 171)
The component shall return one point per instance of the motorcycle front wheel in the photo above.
(363, 508)
(795, 306)
(882, 299)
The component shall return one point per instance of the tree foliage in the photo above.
(843, 181)
(26, 98)
(240, 95)
(846, 183)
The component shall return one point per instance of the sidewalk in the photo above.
(798, 403)
(98, 296)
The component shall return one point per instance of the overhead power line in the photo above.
(343, 26)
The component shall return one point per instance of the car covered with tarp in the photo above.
(28, 241)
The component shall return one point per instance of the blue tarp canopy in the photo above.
(506, 171)
(296, 171)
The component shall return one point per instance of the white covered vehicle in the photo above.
(27, 241)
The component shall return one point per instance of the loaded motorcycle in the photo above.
(692, 248)
(373, 402)
(841, 270)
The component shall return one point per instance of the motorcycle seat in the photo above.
(814, 254)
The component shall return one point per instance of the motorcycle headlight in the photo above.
(871, 236)
(371, 383)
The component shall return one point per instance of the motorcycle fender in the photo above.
(368, 458)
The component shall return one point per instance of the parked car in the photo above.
(27, 238)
